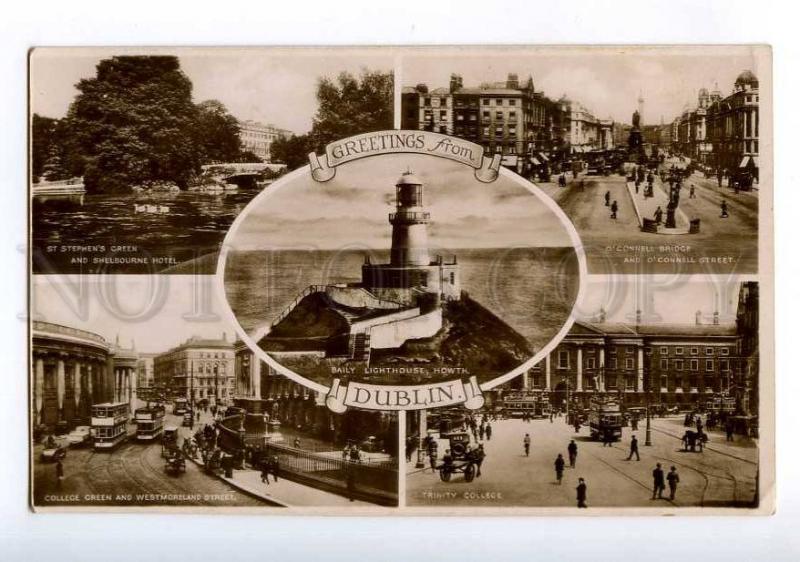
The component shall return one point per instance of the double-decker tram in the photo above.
(180, 406)
(149, 422)
(526, 404)
(109, 424)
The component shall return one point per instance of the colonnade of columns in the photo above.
(64, 388)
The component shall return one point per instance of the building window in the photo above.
(443, 114)
(512, 102)
(694, 351)
(563, 359)
(664, 351)
(629, 363)
(664, 364)
(679, 364)
(709, 351)
(629, 383)
(724, 366)
(694, 365)
(678, 351)
(709, 364)
(724, 351)
(498, 102)
(486, 101)
(590, 363)
(512, 130)
(663, 381)
(498, 115)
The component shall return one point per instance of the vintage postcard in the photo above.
(260, 278)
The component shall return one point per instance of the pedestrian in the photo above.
(488, 432)
(634, 448)
(274, 467)
(723, 209)
(581, 490)
(729, 431)
(614, 208)
(296, 442)
(691, 192)
(658, 481)
(481, 431)
(672, 480)
(527, 444)
(551, 416)
(658, 215)
(59, 473)
(634, 424)
(559, 468)
(608, 438)
(608, 198)
(480, 454)
(572, 450)
(637, 186)
(685, 440)
(265, 472)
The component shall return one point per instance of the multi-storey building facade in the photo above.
(201, 370)
(258, 137)
(674, 363)
(506, 118)
(747, 326)
(733, 128)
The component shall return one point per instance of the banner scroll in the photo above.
(382, 397)
(323, 168)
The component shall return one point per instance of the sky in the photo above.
(661, 298)
(353, 209)
(270, 86)
(155, 312)
(605, 80)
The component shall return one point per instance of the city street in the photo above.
(722, 475)
(126, 476)
(618, 246)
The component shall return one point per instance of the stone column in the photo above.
(38, 388)
(90, 383)
(423, 432)
(76, 386)
(526, 383)
(602, 378)
(60, 388)
(547, 384)
(640, 370)
(579, 372)
(255, 383)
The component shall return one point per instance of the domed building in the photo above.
(746, 81)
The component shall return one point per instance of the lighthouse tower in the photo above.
(409, 224)
(411, 274)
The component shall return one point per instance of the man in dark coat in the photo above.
(614, 209)
(672, 479)
(572, 450)
(488, 432)
(581, 490)
(559, 464)
(658, 481)
(634, 448)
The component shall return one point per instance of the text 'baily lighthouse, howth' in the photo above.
(409, 312)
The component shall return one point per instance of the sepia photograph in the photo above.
(652, 152)
(139, 399)
(650, 401)
(403, 269)
(142, 158)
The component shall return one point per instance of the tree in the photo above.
(352, 106)
(217, 133)
(42, 140)
(347, 107)
(292, 151)
(133, 123)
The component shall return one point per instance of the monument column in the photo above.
(579, 377)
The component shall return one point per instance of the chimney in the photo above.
(716, 318)
(697, 318)
(456, 83)
(513, 82)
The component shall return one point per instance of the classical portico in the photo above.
(71, 371)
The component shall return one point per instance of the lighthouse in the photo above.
(411, 272)
(409, 224)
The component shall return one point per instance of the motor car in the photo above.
(53, 454)
(79, 436)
